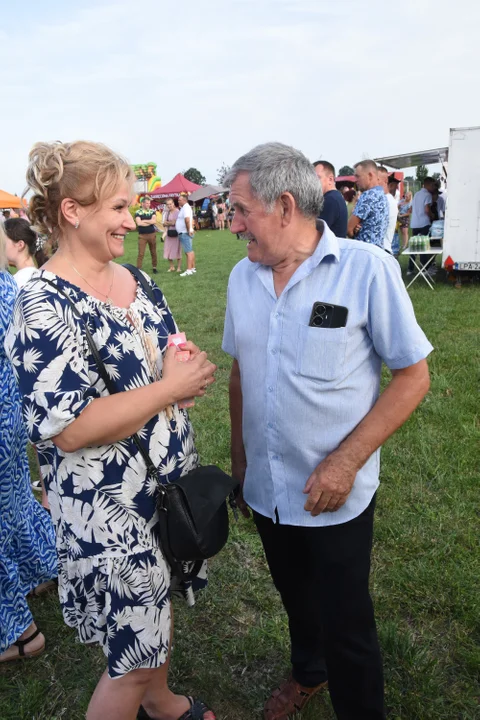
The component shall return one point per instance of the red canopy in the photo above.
(178, 185)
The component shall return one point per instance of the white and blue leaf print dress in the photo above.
(27, 539)
(114, 582)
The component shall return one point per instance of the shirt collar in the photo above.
(328, 245)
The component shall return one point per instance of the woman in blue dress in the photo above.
(114, 582)
(27, 541)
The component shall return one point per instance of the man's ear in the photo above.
(287, 206)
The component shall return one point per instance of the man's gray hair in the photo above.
(274, 169)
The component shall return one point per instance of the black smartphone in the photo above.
(325, 315)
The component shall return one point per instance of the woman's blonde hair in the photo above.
(3, 248)
(87, 172)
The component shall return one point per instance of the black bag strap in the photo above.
(145, 285)
(142, 281)
(102, 370)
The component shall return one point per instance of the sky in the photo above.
(199, 83)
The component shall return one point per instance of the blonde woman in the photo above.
(172, 250)
(27, 540)
(114, 582)
(404, 214)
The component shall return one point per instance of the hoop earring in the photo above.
(77, 223)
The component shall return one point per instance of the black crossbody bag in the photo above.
(193, 514)
(171, 232)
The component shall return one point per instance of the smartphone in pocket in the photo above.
(325, 315)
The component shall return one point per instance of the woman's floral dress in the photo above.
(114, 583)
(27, 540)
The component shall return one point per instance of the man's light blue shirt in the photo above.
(305, 389)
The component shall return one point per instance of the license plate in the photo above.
(467, 266)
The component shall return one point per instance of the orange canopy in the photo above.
(9, 201)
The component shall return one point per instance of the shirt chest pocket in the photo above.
(321, 352)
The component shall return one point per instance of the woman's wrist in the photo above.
(165, 394)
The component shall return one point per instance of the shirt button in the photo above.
(270, 425)
(277, 315)
(274, 352)
(270, 388)
(275, 457)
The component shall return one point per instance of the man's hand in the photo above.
(239, 468)
(329, 486)
(354, 225)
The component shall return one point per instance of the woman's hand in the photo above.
(187, 379)
(191, 347)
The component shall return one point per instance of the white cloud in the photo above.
(189, 85)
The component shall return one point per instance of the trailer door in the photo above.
(462, 223)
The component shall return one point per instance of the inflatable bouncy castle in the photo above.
(147, 179)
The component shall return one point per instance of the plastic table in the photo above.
(431, 252)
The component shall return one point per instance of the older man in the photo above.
(369, 220)
(310, 319)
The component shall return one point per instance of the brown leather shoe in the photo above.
(288, 699)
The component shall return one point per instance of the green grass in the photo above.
(232, 648)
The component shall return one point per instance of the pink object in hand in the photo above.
(182, 356)
(177, 339)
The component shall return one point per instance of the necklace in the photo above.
(107, 295)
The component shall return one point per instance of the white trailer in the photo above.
(461, 241)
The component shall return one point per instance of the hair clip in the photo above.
(41, 239)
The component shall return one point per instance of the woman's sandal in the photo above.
(289, 699)
(196, 711)
(21, 644)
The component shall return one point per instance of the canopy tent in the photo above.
(178, 185)
(206, 191)
(9, 201)
(414, 159)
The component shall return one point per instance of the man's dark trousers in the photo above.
(322, 575)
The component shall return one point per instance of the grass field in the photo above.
(232, 648)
